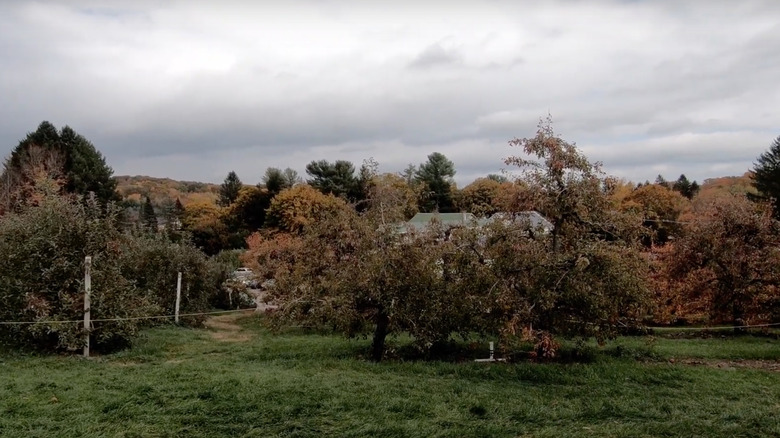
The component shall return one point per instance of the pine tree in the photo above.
(275, 180)
(766, 176)
(337, 178)
(148, 217)
(178, 213)
(83, 166)
(228, 192)
(685, 187)
(436, 174)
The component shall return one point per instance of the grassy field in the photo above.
(226, 381)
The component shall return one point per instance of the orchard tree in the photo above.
(41, 277)
(349, 272)
(593, 279)
(565, 187)
(727, 262)
(766, 176)
(527, 293)
(436, 177)
(228, 191)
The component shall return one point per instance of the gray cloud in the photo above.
(194, 89)
(436, 55)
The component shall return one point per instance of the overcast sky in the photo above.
(191, 90)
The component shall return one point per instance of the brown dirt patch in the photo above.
(125, 364)
(766, 365)
(225, 328)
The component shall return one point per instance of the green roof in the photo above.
(422, 220)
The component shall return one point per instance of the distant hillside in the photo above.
(713, 188)
(162, 191)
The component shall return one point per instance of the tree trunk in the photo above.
(378, 343)
(737, 317)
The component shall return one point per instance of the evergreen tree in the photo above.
(83, 167)
(436, 174)
(685, 187)
(228, 191)
(408, 174)
(291, 177)
(497, 178)
(148, 217)
(337, 178)
(766, 176)
(173, 213)
(275, 180)
(178, 211)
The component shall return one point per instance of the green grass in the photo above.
(181, 382)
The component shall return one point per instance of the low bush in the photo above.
(42, 276)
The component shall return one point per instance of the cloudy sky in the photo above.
(191, 90)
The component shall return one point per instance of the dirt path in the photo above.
(767, 365)
(225, 328)
(259, 295)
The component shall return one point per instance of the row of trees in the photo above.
(59, 205)
(618, 253)
(619, 256)
(354, 272)
(243, 210)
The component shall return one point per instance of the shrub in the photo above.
(151, 264)
(42, 276)
(133, 276)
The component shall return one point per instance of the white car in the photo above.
(246, 276)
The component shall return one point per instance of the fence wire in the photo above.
(132, 318)
(220, 312)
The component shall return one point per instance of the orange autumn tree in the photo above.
(297, 207)
(726, 264)
(660, 207)
(480, 197)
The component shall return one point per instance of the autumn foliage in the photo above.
(725, 267)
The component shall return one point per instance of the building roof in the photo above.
(422, 220)
(534, 219)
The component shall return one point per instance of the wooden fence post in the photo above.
(178, 297)
(87, 291)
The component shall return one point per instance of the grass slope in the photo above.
(182, 382)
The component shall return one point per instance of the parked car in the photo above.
(245, 276)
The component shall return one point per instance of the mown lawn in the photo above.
(184, 382)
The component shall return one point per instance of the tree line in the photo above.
(619, 254)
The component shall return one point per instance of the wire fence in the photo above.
(723, 327)
(248, 310)
(131, 318)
